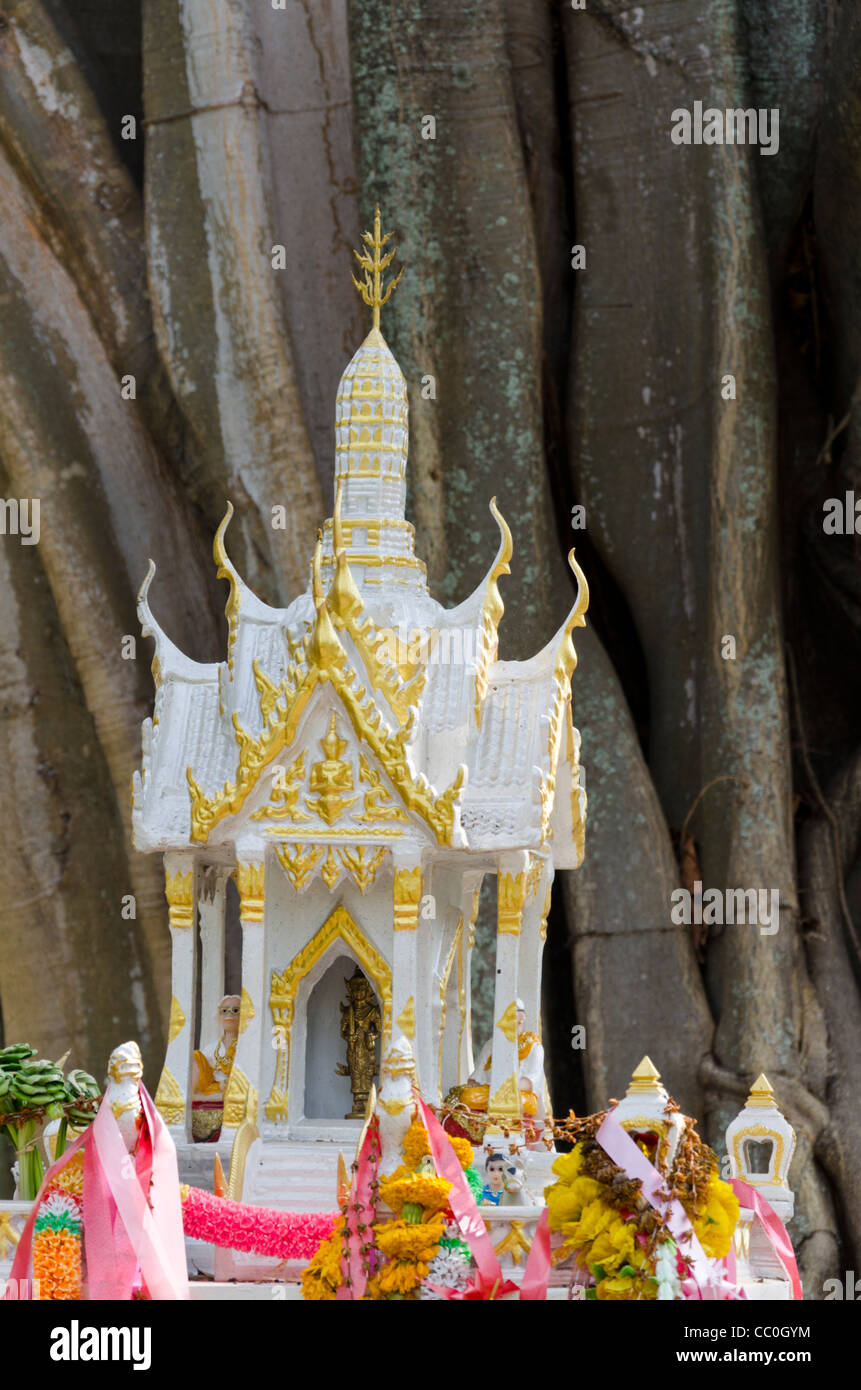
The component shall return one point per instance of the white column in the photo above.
(504, 1099)
(210, 907)
(470, 892)
(533, 935)
(173, 1096)
(406, 900)
(246, 1076)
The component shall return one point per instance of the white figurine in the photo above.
(531, 1077)
(210, 1075)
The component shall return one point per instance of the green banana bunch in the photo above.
(33, 1089)
(14, 1056)
(81, 1086)
(39, 1085)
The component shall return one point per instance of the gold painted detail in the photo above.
(179, 891)
(379, 805)
(637, 1123)
(406, 1019)
(507, 1024)
(578, 793)
(169, 1100)
(453, 954)
(393, 1107)
(298, 862)
(758, 1133)
(407, 896)
(761, 1094)
(510, 897)
(330, 870)
(226, 571)
(9, 1237)
(246, 1010)
(402, 686)
(374, 261)
(505, 1101)
(250, 880)
(240, 1099)
(282, 804)
(645, 1080)
(176, 1021)
(324, 659)
(564, 667)
(267, 689)
(245, 1136)
(491, 612)
(331, 777)
(741, 1239)
(515, 1244)
(545, 912)
(473, 916)
(362, 862)
(533, 877)
(339, 925)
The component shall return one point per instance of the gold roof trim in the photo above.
(492, 610)
(226, 571)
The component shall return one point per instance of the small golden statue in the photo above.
(360, 1028)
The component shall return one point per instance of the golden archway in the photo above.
(339, 925)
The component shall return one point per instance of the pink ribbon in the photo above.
(126, 1237)
(620, 1147)
(463, 1207)
(774, 1229)
(360, 1211)
(122, 1230)
(537, 1272)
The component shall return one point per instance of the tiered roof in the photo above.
(481, 754)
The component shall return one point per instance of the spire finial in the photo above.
(373, 262)
(646, 1079)
(761, 1094)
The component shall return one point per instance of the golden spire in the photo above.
(646, 1079)
(373, 263)
(316, 578)
(345, 601)
(332, 743)
(761, 1094)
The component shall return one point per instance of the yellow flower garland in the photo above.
(417, 1145)
(594, 1228)
(321, 1277)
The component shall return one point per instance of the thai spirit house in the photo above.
(357, 765)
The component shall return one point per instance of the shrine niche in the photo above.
(355, 766)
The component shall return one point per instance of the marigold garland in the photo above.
(614, 1232)
(416, 1146)
(321, 1278)
(57, 1246)
(423, 1190)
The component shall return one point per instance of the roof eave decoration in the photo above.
(402, 689)
(324, 659)
(226, 571)
(168, 658)
(491, 611)
(564, 665)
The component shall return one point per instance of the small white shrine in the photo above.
(356, 765)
